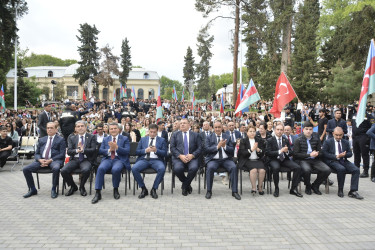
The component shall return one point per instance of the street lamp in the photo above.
(225, 92)
(53, 85)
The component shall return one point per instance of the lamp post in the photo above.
(225, 93)
(53, 87)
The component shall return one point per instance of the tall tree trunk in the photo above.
(235, 51)
(286, 46)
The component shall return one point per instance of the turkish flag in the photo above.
(84, 96)
(284, 93)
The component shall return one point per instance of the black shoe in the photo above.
(276, 193)
(185, 192)
(253, 192)
(364, 174)
(143, 194)
(208, 195)
(316, 190)
(97, 197)
(54, 194)
(373, 179)
(190, 189)
(236, 196)
(308, 190)
(330, 182)
(82, 190)
(30, 193)
(261, 192)
(153, 193)
(340, 193)
(71, 190)
(295, 192)
(116, 194)
(354, 194)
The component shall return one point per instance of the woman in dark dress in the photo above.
(250, 158)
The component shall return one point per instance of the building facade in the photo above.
(145, 82)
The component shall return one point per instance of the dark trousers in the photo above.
(346, 168)
(312, 164)
(294, 167)
(179, 170)
(361, 147)
(35, 166)
(115, 166)
(143, 164)
(66, 171)
(229, 165)
(4, 156)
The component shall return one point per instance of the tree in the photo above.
(189, 71)
(88, 66)
(166, 87)
(45, 60)
(126, 63)
(8, 33)
(203, 68)
(59, 91)
(107, 67)
(305, 54)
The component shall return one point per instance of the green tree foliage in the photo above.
(166, 88)
(189, 71)
(108, 67)
(88, 51)
(126, 63)
(304, 59)
(8, 33)
(45, 60)
(203, 68)
(59, 91)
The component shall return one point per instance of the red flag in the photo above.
(284, 93)
(239, 100)
(84, 96)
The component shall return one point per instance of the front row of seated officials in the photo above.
(187, 147)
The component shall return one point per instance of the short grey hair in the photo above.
(80, 121)
(115, 124)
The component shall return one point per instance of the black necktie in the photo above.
(220, 149)
(148, 154)
(234, 140)
(341, 160)
(282, 157)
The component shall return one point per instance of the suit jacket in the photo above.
(122, 151)
(89, 147)
(211, 146)
(243, 151)
(237, 135)
(164, 134)
(331, 125)
(329, 150)
(272, 149)
(161, 148)
(371, 134)
(177, 144)
(42, 124)
(57, 149)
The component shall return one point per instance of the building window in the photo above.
(128, 93)
(50, 73)
(105, 93)
(151, 94)
(146, 76)
(140, 93)
(70, 90)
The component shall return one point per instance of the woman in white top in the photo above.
(250, 158)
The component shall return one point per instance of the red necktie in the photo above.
(113, 153)
(46, 156)
(290, 141)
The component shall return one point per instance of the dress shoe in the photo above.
(143, 194)
(253, 192)
(340, 193)
(116, 194)
(185, 192)
(153, 193)
(354, 194)
(190, 189)
(364, 174)
(71, 190)
(208, 195)
(295, 192)
(276, 193)
(31, 193)
(54, 194)
(316, 190)
(97, 197)
(308, 190)
(373, 179)
(82, 190)
(261, 192)
(236, 196)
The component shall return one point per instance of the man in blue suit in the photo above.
(151, 151)
(232, 133)
(115, 148)
(336, 152)
(186, 147)
(50, 153)
(336, 122)
(219, 149)
(288, 135)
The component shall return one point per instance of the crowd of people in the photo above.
(308, 138)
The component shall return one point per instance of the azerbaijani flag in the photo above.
(182, 97)
(125, 94)
(2, 98)
(121, 96)
(192, 101)
(114, 95)
(133, 94)
(368, 84)
(159, 111)
(222, 103)
(174, 94)
(241, 93)
(251, 96)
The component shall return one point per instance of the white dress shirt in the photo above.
(152, 154)
(109, 150)
(222, 149)
(253, 154)
(84, 141)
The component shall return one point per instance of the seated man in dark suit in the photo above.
(233, 134)
(151, 151)
(162, 132)
(186, 148)
(279, 152)
(307, 153)
(50, 153)
(82, 152)
(219, 152)
(115, 148)
(6, 145)
(336, 152)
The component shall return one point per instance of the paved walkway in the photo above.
(192, 222)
